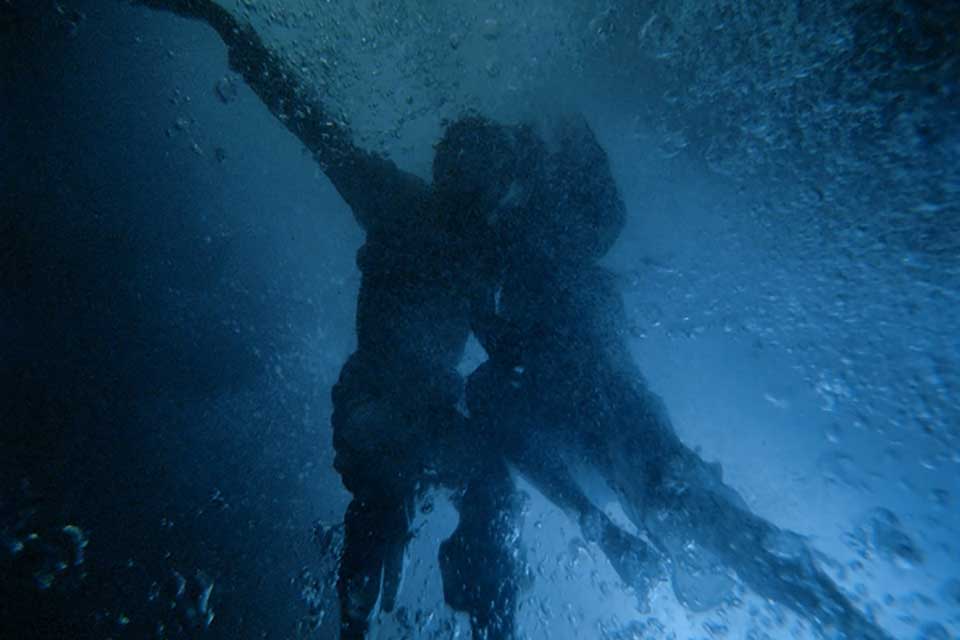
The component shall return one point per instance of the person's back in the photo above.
(560, 317)
(552, 330)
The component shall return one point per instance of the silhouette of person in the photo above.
(562, 390)
(396, 423)
(395, 419)
(505, 241)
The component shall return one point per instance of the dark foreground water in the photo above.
(177, 289)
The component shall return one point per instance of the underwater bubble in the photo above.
(43, 580)
(950, 592)
(226, 89)
(839, 468)
(833, 433)
(881, 532)
(716, 629)
(180, 584)
(77, 542)
(329, 538)
(491, 29)
(933, 631)
(787, 546)
(776, 401)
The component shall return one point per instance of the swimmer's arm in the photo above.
(371, 185)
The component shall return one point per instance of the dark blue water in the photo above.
(178, 286)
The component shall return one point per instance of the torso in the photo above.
(413, 311)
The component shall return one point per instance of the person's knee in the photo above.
(369, 430)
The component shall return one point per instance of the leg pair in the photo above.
(481, 562)
(517, 420)
(679, 499)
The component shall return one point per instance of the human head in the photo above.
(474, 165)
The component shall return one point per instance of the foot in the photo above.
(636, 562)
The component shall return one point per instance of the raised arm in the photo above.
(374, 187)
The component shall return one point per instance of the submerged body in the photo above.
(563, 389)
(560, 377)
(397, 429)
(395, 420)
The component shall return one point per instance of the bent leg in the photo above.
(481, 563)
(774, 563)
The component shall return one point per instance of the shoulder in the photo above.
(380, 194)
